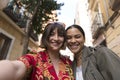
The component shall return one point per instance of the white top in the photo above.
(79, 75)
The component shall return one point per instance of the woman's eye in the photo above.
(61, 35)
(52, 33)
(77, 36)
(68, 37)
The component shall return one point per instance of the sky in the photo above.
(67, 16)
(67, 11)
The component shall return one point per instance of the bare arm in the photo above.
(12, 70)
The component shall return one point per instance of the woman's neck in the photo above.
(54, 54)
(78, 57)
(55, 58)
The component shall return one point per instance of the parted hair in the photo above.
(50, 27)
(78, 27)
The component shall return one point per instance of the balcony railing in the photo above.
(97, 22)
(16, 14)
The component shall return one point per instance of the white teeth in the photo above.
(55, 43)
(74, 46)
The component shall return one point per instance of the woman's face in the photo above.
(55, 40)
(75, 40)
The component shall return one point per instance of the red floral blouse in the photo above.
(43, 69)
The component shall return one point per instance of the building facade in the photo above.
(105, 26)
(82, 19)
(12, 36)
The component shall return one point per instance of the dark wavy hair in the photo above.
(50, 27)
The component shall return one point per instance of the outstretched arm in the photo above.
(12, 70)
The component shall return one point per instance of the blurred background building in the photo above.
(100, 21)
(13, 29)
(12, 34)
(99, 17)
(105, 23)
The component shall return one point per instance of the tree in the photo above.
(40, 10)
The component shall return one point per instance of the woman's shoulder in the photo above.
(31, 55)
(99, 48)
(66, 59)
(34, 53)
(104, 51)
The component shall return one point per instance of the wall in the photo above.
(7, 26)
(113, 36)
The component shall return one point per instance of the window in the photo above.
(5, 43)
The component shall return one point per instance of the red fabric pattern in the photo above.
(44, 69)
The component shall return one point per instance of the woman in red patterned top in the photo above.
(44, 65)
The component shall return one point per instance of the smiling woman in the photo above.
(44, 65)
(90, 63)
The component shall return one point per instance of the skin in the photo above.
(15, 70)
(55, 41)
(75, 40)
(12, 70)
(55, 44)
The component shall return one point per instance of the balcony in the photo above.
(13, 11)
(97, 22)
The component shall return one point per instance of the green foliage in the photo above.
(46, 7)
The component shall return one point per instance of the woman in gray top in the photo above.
(98, 63)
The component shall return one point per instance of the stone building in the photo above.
(105, 23)
(12, 35)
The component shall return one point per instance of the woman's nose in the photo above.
(56, 37)
(73, 40)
